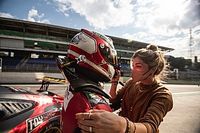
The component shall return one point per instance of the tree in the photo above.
(197, 66)
(179, 63)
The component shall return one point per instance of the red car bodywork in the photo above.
(25, 112)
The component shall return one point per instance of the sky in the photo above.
(162, 22)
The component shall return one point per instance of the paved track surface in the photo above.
(184, 117)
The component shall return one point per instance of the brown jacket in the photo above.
(147, 104)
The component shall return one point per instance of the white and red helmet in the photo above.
(95, 55)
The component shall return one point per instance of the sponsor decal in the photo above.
(34, 122)
(52, 79)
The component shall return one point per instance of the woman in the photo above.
(144, 100)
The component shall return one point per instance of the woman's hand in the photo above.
(116, 76)
(100, 121)
(114, 83)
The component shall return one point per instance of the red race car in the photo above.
(23, 111)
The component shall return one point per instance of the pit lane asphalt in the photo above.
(183, 118)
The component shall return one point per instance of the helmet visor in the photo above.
(109, 54)
(108, 49)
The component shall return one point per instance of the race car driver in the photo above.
(91, 60)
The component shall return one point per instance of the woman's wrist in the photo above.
(114, 82)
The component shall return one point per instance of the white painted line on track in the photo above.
(190, 92)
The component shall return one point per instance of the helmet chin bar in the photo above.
(82, 58)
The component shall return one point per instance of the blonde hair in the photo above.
(153, 57)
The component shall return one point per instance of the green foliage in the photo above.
(180, 63)
(197, 66)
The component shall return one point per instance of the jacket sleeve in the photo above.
(161, 103)
(116, 102)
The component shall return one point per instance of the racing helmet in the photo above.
(95, 55)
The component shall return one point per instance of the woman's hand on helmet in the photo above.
(116, 76)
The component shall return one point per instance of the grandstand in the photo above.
(32, 47)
